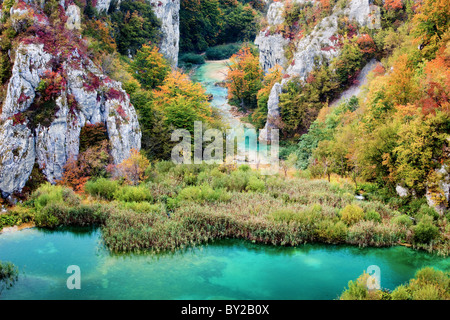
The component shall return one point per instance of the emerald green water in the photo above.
(228, 269)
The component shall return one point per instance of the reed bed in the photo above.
(181, 206)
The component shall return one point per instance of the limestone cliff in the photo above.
(271, 45)
(168, 12)
(45, 129)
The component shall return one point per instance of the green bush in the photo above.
(47, 216)
(255, 184)
(283, 215)
(141, 207)
(401, 293)
(164, 166)
(102, 188)
(352, 213)
(133, 194)
(332, 232)
(222, 52)
(425, 232)
(9, 274)
(373, 215)
(203, 193)
(426, 210)
(48, 193)
(403, 220)
(192, 58)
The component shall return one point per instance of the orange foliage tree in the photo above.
(132, 169)
(244, 79)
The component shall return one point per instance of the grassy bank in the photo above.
(428, 284)
(180, 206)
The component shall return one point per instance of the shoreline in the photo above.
(26, 225)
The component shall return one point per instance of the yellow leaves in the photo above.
(177, 92)
(133, 168)
(400, 84)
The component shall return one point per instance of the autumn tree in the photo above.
(244, 79)
(430, 24)
(182, 102)
(132, 169)
(149, 66)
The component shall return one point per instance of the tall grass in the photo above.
(187, 205)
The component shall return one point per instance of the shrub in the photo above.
(332, 232)
(47, 216)
(203, 193)
(401, 293)
(357, 290)
(102, 187)
(47, 194)
(141, 207)
(352, 213)
(425, 232)
(403, 220)
(255, 184)
(16, 215)
(283, 215)
(133, 194)
(222, 52)
(192, 58)
(164, 166)
(373, 216)
(426, 210)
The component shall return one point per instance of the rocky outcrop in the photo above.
(271, 45)
(77, 103)
(168, 12)
(73, 14)
(273, 112)
(438, 192)
(317, 46)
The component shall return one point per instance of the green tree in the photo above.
(134, 24)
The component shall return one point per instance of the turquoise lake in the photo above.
(226, 269)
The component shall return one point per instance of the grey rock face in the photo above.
(168, 12)
(52, 146)
(271, 46)
(271, 50)
(103, 5)
(73, 17)
(443, 190)
(273, 114)
(17, 156)
(31, 62)
(401, 191)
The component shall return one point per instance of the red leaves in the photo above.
(115, 94)
(122, 112)
(53, 83)
(393, 4)
(366, 44)
(23, 97)
(18, 118)
(92, 82)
